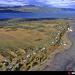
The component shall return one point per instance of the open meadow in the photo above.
(25, 44)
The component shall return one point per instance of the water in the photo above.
(52, 14)
(66, 58)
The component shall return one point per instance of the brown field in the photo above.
(28, 38)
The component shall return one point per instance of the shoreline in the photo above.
(36, 19)
(57, 47)
(60, 49)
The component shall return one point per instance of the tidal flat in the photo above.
(25, 45)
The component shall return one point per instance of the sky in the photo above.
(53, 3)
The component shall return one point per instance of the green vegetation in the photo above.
(25, 44)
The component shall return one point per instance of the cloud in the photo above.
(59, 3)
(14, 2)
(54, 3)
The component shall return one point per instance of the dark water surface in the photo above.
(52, 14)
(62, 60)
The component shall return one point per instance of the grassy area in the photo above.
(26, 38)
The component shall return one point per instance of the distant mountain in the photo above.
(71, 9)
(26, 8)
(32, 8)
(18, 6)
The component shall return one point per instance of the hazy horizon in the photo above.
(51, 3)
